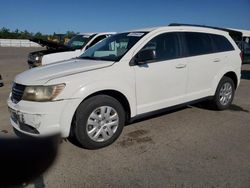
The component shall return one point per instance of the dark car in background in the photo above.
(245, 48)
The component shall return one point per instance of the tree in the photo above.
(70, 34)
(6, 33)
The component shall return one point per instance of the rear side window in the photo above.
(221, 44)
(198, 43)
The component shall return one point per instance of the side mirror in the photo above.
(145, 55)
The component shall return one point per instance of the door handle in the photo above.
(217, 60)
(180, 66)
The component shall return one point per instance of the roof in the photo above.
(236, 35)
(97, 33)
(180, 28)
(89, 34)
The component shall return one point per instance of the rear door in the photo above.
(202, 64)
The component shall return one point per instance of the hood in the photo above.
(41, 75)
(50, 44)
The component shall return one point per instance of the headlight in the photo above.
(35, 59)
(38, 61)
(42, 93)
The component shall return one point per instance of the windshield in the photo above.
(79, 41)
(114, 47)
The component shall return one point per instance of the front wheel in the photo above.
(99, 121)
(224, 94)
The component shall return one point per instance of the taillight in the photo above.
(241, 56)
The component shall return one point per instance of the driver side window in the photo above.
(166, 46)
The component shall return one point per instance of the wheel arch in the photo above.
(118, 96)
(233, 76)
(229, 72)
(112, 93)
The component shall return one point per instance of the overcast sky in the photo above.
(49, 16)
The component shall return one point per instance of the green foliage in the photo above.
(70, 34)
(6, 33)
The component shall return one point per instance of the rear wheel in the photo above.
(99, 121)
(224, 94)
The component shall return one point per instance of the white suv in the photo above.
(126, 76)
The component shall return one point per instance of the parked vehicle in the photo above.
(124, 77)
(245, 47)
(58, 52)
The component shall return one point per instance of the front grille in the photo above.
(17, 92)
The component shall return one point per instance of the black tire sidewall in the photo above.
(224, 80)
(82, 114)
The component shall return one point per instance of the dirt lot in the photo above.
(191, 147)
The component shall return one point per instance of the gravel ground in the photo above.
(189, 147)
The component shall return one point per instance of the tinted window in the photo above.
(166, 46)
(221, 43)
(79, 41)
(198, 43)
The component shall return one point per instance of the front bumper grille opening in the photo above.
(28, 128)
(17, 92)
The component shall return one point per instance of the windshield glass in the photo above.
(114, 47)
(79, 41)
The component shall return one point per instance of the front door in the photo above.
(161, 82)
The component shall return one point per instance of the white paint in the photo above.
(147, 88)
(17, 43)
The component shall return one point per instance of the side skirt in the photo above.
(164, 110)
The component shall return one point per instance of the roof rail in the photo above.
(236, 35)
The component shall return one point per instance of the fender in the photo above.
(87, 90)
(126, 90)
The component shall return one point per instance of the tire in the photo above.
(223, 90)
(99, 121)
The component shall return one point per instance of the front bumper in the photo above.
(42, 118)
